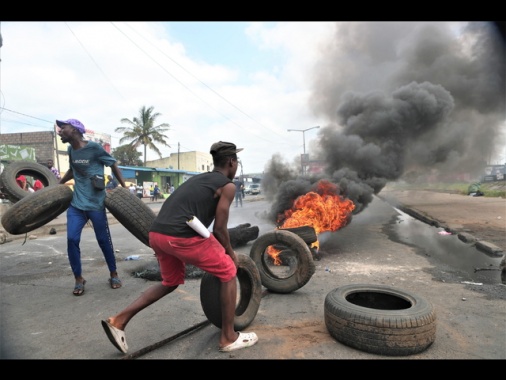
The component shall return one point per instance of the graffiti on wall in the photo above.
(16, 152)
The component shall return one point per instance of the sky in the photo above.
(388, 98)
(231, 81)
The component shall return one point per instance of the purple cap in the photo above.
(73, 122)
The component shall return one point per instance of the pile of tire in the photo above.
(11, 189)
(30, 211)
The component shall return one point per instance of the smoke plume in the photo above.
(401, 100)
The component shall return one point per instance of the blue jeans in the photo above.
(76, 220)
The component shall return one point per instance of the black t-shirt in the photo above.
(195, 197)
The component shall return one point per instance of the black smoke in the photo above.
(402, 100)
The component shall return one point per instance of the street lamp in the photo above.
(303, 144)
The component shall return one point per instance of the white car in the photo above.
(254, 189)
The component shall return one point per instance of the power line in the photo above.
(24, 114)
(208, 87)
(93, 60)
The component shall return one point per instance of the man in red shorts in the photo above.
(207, 197)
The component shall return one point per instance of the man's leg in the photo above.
(228, 298)
(153, 294)
(76, 219)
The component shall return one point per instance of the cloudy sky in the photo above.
(248, 82)
(232, 81)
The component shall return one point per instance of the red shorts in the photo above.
(205, 253)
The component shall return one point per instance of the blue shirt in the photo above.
(86, 162)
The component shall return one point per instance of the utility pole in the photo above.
(303, 159)
(56, 152)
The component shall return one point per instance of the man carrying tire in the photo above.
(206, 197)
(86, 160)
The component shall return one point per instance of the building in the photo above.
(166, 172)
(194, 161)
(47, 145)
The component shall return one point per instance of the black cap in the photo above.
(223, 148)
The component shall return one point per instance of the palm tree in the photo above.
(142, 130)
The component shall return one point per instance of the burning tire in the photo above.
(249, 291)
(39, 208)
(306, 233)
(295, 266)
(380, 319)
(29, 169)
(131, 212)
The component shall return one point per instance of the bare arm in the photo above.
(67, 177)
(220, 229)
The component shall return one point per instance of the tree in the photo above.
(127, 155)
(142, 130)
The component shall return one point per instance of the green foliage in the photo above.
(127, 155)
(143, 131)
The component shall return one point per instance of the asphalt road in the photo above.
(41, 319)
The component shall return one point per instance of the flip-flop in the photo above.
(79, 288)
(244, 340)
(115, 282)
(116, 336)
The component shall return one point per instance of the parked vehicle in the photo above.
(254, 189)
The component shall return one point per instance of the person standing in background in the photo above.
(133, 189)
(239, 186)
(21, 181)
(87, 158)
(156, 192)
(37, 185)
(56, 172)
(140, 192)
(111, 184)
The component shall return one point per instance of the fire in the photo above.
(323, 209)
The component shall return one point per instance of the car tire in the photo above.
(380, 319)
(306, 233)
(29, 169)
(249, 291)
(298, 265)
(131, 212)
(36, 209)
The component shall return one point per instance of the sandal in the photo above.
(79, 288)
(243, 340)
(115, 282)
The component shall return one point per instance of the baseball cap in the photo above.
(73, 122)
(223, 148)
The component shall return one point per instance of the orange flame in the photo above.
(324, 209)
